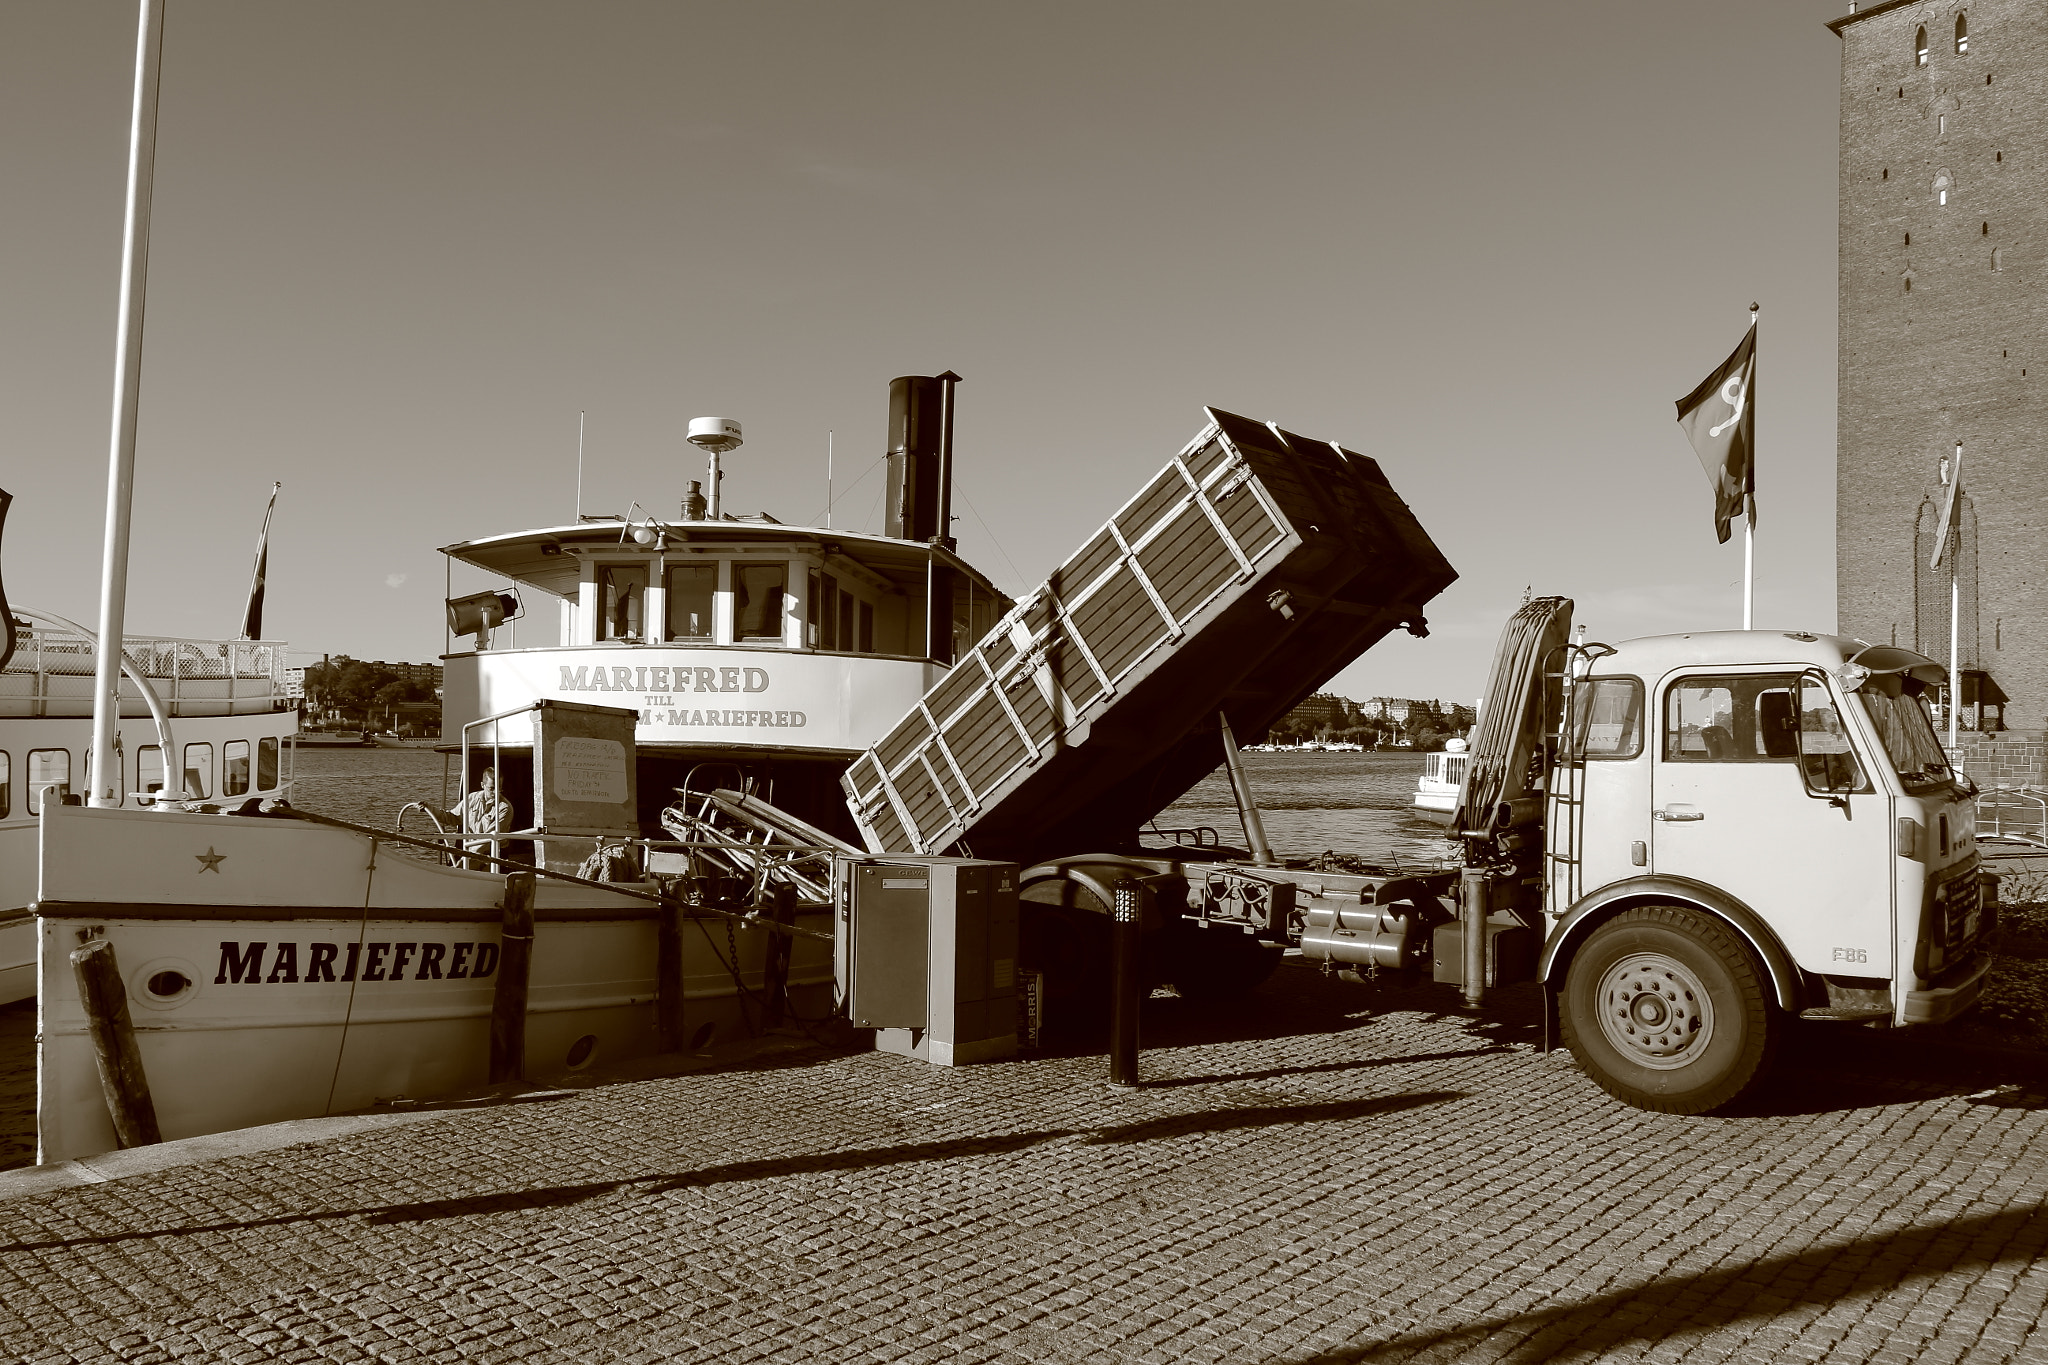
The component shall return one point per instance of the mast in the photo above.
(106, 706)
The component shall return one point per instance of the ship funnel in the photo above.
(718, 435)
(921, 458)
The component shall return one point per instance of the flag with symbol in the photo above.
(252, 619)
(1946, 522)
(1719, 418)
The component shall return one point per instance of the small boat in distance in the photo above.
(1443, 774)
(333, 739)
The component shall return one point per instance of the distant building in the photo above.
(430, 674)
(1323, 711)
(295, 682)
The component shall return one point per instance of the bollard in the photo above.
(126, 1088)
(515, 965)
(1126, 933)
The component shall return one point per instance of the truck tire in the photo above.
(1667, 1010)
(1218, 965)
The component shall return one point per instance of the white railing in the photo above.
(2013, 814)
(52, 666)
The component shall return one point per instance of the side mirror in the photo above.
(1827, 763)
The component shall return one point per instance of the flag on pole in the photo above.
(252, 619)
(1719, 418)
(1946, 522)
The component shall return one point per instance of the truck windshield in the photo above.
(1907, 731)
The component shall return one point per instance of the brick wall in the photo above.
(1963, 354)
(2003, 758)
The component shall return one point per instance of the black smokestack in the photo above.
(916, 449)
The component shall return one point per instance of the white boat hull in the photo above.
(386, 988)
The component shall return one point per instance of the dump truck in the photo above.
(1684, 841)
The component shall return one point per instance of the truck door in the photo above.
(1728, 808)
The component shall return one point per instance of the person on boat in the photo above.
(483, 811)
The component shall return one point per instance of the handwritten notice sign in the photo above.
(590, 770)
(583, 778)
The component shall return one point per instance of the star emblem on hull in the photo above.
(211, 861)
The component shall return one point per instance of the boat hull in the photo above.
(259, 993)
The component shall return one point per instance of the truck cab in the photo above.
(1743, 826)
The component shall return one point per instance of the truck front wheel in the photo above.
(1668, 1011)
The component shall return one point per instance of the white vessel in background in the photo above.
(232, 726)
(1443, 776)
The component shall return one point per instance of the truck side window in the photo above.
(1729, 720)
(1610, 718)
(1824, 742)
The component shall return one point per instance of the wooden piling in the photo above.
(105, 997)
(781, 908)
(515, 968)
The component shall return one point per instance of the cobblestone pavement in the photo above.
(1364, 1177)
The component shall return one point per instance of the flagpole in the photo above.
(106, 704)
(1955, 605)
(1748, 575)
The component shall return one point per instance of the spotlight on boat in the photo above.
(480, 613)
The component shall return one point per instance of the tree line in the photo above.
(354, 690)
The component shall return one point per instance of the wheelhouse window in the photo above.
(234, 776)
(47, 768)
(1610, 718)
(266, 764)
(149, 768)
(691, 588)
(758, 591)
(6, 786)
(198, 771)
(1730, 720)
(622, 602)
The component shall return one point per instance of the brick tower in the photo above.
(1944, 339)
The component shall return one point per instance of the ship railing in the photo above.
(51, 663)
(2013, 814)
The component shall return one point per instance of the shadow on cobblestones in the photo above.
(565, 1196)
(1755, 1291)
(1363, 1063)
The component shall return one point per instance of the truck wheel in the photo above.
(1668, 1011)
(1218, 964)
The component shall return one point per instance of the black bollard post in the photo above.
(1126, 931)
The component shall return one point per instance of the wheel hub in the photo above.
(1655, 1011)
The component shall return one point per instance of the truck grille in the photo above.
(1955, 919)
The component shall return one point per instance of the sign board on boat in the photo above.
(583, 780)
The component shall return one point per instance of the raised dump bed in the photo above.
(1255, 566)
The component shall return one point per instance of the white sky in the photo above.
(398, 247)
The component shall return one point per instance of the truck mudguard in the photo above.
(1585, 916)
